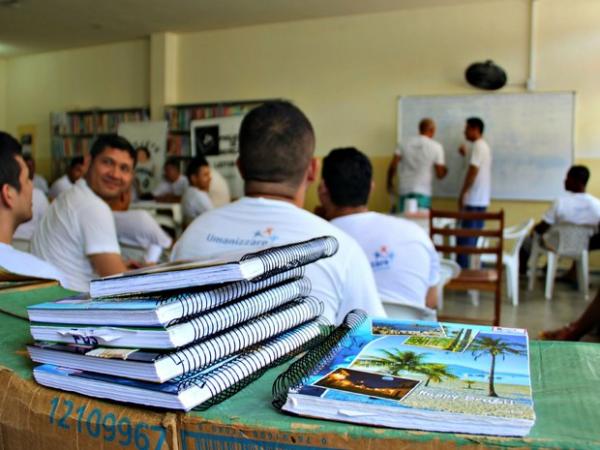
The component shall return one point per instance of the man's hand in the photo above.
(462, 150)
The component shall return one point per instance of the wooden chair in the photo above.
(473, 279)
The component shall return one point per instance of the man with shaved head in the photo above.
(415, 161)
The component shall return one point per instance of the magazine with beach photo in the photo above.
(426, 375)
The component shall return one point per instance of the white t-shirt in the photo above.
(219, 189)
(40, 183)
(178, 187)
(39, 205)
(343, 282)
(419, 156)
(401, 254)
(578, 208)
(480, 192)
(138, 228)
(27, 265)
(77, 224)
(194, 203)
(60, 185)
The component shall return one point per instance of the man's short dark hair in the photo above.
(194, 165)
(9, 167)
(580, 174)
(173, 162)
(476, 122)
(276, 144)
(76, 161)
(347, 173)
(112, 141)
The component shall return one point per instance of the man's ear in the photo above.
(239, 168)
(313, 170)
(87, 161)
(7, 196)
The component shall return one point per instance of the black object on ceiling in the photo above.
(486, 75)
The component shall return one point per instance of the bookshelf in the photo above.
(180, 116)
(73, 132)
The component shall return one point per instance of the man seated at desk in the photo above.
(173, 185)
(78, 233)
(403, 258)
(74, 172)
(196, 199)
(16, 189)
(277, 144)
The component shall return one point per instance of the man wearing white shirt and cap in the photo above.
(15, 208)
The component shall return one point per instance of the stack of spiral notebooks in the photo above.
(184, 348)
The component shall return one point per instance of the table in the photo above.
(565, 379)
(174, 219)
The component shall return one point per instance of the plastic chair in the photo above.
(448, 269)
(510, 258)
(563, 240)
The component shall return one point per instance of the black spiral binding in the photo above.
(207, 352)
(243, 310)
(287, 257)
(247, 367)
(313, 361)
(194, 303)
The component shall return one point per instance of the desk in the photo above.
(174, 218)
(565, 378)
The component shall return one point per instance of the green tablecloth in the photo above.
(565, 380)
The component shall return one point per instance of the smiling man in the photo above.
(78, 233)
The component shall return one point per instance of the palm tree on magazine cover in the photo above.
(396, 361)
(494, 347)
(435, 372)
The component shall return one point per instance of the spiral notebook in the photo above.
(235, 267)
(152, 310)
(205, 387)
(411, 374)
(160, 366)
(178, 334)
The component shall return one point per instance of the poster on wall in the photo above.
(217, 139)
(153, 137)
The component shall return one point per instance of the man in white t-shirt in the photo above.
(39, 182)
(173, 184)
(196, 199)
(78, 233)
(477, 186)
(276, 162)
(74, 172)
(575, 206)
(15, 208)
(416, 161)
(403, 258)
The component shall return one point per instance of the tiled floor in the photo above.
(533, 312)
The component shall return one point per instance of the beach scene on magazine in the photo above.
(475, 370)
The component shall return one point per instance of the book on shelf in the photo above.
(181, 333)
(418, 375)
(203, 387)
(161, 366)
(151, 310)
(236, 267)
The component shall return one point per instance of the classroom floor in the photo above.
(533, 312)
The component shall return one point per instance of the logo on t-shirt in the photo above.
(382, 258)
(259, 238)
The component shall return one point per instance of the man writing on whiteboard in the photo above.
(418, 158)
(477, 185)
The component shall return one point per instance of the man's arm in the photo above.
(431, 297)
(467, 184)
(392, 172)
(440, 171)
(106, 264)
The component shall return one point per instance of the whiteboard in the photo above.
(530, 134)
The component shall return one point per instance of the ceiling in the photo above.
(33, 26)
